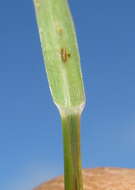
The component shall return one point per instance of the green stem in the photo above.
(72, 161)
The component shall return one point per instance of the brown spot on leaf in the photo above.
(37, 3)
(59, 30)
(64, 55)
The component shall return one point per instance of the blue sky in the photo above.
(30, 127)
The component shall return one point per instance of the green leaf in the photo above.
(60, 52)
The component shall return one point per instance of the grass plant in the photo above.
(62, 63)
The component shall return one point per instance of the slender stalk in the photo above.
(72, 161)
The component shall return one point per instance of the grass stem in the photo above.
(72, 161)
